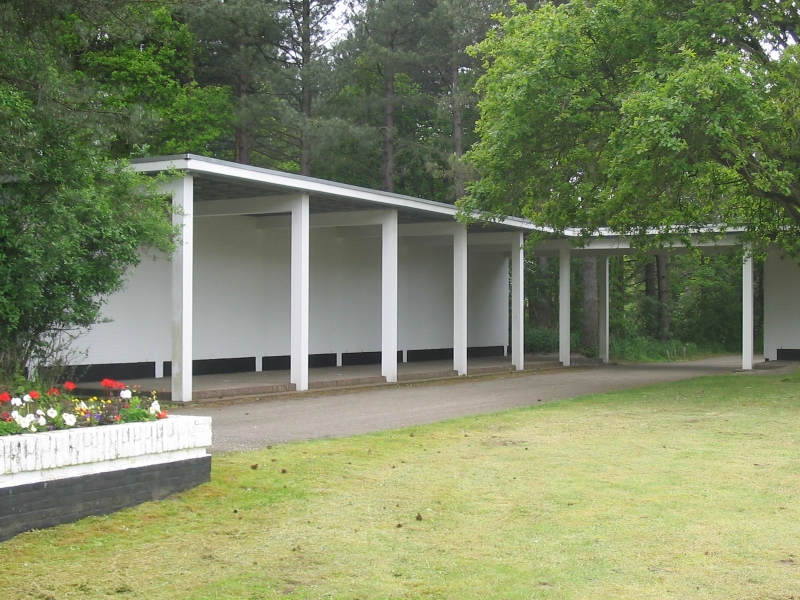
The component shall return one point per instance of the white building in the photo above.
(279, 271)
(781, 292)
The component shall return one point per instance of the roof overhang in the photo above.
(216, 180)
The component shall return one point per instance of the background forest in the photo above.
(376, 93)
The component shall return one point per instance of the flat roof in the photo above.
(216, 179)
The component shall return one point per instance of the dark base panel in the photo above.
(123, 371)
(361, 358)
(217, 366)
(321, 360)
(481, 351)
(51, 503)
(432, 354)
(789, 354)
(276, 363)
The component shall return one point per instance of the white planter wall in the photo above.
(54, 455)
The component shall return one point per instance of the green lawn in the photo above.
(687, 490)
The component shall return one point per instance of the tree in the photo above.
(72, 221)
(241, 39)
(634, 114)
(143, 62)
(305, 57)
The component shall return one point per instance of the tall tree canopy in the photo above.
(72, 220)
(634, 114)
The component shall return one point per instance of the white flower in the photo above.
(24, 421)
(40, 412)
(69, 419)
(16, 402)
(41, 421)
(14, 414)
(125, 394)
(52, 412)
(155, 407)
(33, 428)
(83, 406)
(27, 398)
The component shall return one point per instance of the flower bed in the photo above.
(58, 473)
(30, 411)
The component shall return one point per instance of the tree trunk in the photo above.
(662, 267)
(650, 279)
(388, 133)
(306, 97)
(458, 131)
(543, 304)
(590, 316)
(241, 151)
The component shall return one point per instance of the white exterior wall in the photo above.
(488, 299)
(140, 329)
(425, 296)
(345, 291)
(242, 296)
(781, 304)
(241, 288)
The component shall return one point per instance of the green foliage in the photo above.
(72, 221)
(638, 349)
(143, 64)
(709, 311)
(541, 340)
(634, 114)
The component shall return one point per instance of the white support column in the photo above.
(389, 297)
(747, 311)
(300, 293)
(603, 284)
(518, 302)
(563, 306)
(460, 299)
(182, 281)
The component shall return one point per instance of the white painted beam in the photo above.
(518, 302)
(263, 205)
(182, 191)
(460, 300)
(389, 297)
(425, 229)
(603, 284)
(300, 292)
(564, 307)
(747, 311)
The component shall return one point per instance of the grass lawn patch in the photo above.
(685, 490)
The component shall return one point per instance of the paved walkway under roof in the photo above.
(264, 383)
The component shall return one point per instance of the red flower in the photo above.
(117, 418)
(53, 391)
(34, 394)
(5, 397)
(161, 415)
(6, 417)
(111, 384)
(69, 386)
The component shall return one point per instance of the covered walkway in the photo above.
(264, 383)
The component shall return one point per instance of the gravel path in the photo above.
(252, 425)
